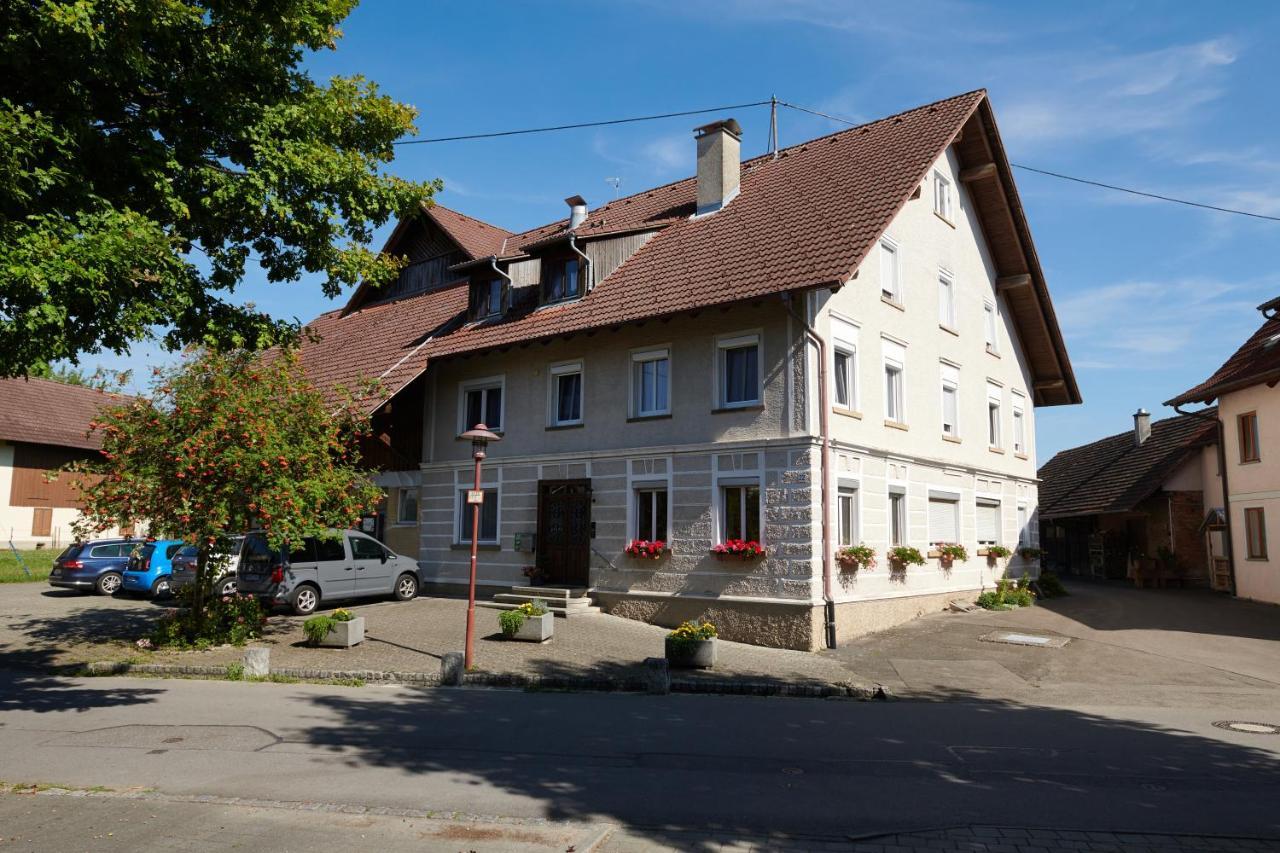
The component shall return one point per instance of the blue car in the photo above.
(149, 569)
(94, 566)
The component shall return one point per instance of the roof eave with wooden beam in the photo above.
(988, 177)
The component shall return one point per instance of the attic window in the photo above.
(486, 297)
(562, 280)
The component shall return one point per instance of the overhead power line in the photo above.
(1087, 181)
(582, 124)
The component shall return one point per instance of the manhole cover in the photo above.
(1015, 638)
(1247, 727)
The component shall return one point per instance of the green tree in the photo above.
(150, 149)
(224, 443)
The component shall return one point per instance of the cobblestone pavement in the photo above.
(975, 839)
(40, 626)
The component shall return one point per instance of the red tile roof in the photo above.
(1257, 361)
(478, 239)
(383, 341)
(1115, 475)
(42, 411)
(805, 219)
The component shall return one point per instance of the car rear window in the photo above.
(171, 550)
(329, 549)
(71, 551)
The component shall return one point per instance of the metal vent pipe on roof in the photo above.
(577, 210)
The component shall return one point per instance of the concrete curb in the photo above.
(522, 681)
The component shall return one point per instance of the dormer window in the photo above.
(562, 279)
(486, 297)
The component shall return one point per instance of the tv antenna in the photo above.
(616, 183)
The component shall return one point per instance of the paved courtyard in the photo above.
(1169, 648)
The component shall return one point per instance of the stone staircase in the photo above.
(563, 601)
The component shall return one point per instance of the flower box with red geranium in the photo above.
(644, 549)
(742, 549)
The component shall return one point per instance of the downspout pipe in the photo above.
(824, 436)
(1228, 540)
(573, 244)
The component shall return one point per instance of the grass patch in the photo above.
(39, 562)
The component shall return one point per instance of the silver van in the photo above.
(341, 565)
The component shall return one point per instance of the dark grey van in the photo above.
(345, 564)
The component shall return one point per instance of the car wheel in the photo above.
(109, 583)
(161, 588)
(406, 587)
(304, 600)
(227, 587)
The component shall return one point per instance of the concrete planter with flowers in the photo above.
(692, 646)
(531, 622)
(340, 630)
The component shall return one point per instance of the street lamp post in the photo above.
(479, 436)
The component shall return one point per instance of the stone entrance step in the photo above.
(562, 601)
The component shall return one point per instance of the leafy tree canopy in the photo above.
(227, 442)
(150, 149)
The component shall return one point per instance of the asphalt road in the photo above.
(665, 767)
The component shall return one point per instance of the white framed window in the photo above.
(1019, 424)
(407, 507)
(844, 364)
(946, 299)
(738, 370)
(897, 515)
(488, 517)
(895, 360)
(651, 383)
(944, 518)
(890, 258)
(740, 511)
(847, 510)
(652, 508)
(1024, 528)
(481, 401)
(942, 200)
(950, 400)
(566, 393)
(994, 417)
(988, 522)
(990, 322)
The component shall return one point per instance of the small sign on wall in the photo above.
(475, 496)
(524, 542)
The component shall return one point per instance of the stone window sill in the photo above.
(999, 450)
(944, 327)
(944, 219)
(555, 427)
(848, 413)
(754, 407)
(889, 300)
(992, 351)
(896, 425)
(951, 438)
(666, 416)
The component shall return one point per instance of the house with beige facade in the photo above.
(44, 425)
(1248, 425)
(842, 343)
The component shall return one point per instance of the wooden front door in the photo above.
(41, 521)
(564, 531)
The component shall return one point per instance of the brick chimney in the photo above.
(719, 164)
(1141, 427)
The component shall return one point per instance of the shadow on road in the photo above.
(36, 691)
(728, 769)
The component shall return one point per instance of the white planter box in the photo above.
(536, 629)
(345, 634)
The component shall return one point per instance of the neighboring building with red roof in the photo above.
(1141, 505)
(1248, 413)
(43, 425)
(844, 343)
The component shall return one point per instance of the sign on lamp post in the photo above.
(479, 436)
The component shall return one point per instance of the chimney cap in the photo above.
(1141, 411)
(576, 201)
(729, 124)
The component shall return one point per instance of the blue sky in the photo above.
(1176, 98)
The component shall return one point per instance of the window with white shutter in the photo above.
(988, 523)
(950, 400)
(944, 520)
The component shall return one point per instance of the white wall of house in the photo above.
(913, 452)
(1254, 485)
(16, 522)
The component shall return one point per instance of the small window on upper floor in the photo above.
(562, 279)
(990, 324)
(942, 197)
(738, 371)
(565, 391)
(1249, 449)
(946, 300)
(487, 297)
(890, 286)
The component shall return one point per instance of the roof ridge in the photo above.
(762, 158)
(435, 204)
